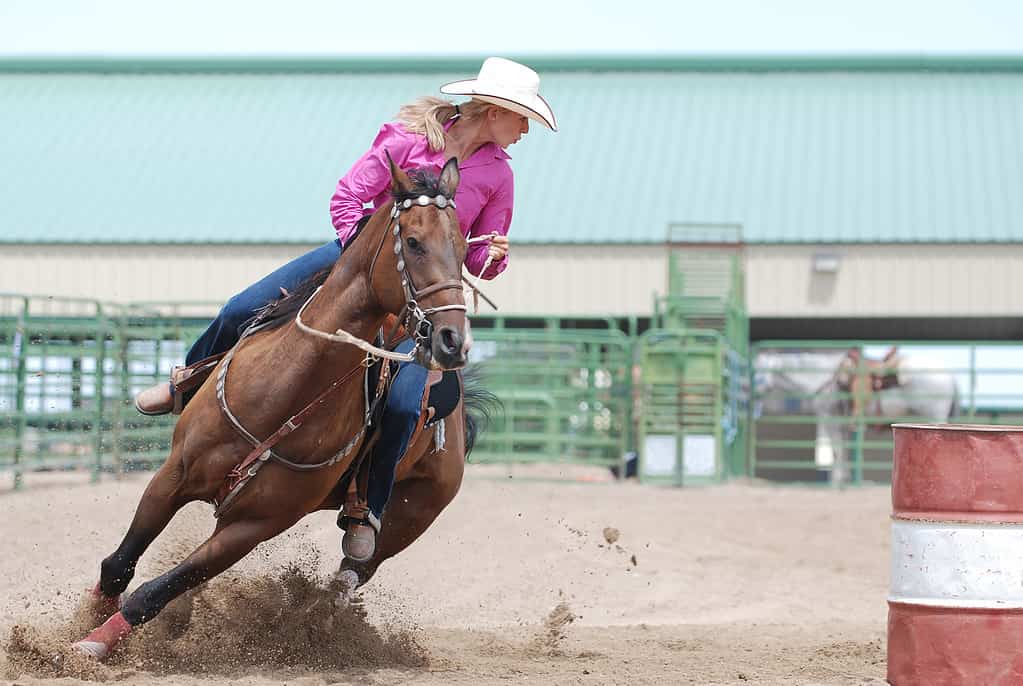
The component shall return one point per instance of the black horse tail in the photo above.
(480, 405)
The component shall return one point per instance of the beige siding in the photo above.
(928, 280)
(913, 281)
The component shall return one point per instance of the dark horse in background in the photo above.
(277, 372)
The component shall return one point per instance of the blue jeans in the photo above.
(223, 333)
(399, 421)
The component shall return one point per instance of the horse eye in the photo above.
(413, 244)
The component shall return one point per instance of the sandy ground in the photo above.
(516, 583)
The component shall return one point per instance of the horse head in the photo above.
(420, 279)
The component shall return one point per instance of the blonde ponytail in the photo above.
(427, 116)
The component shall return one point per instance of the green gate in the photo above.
(692, 367)
(690, 407)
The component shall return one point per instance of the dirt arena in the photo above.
(516, 583)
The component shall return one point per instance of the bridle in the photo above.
(413, 317)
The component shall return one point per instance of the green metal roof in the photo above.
(794, 150)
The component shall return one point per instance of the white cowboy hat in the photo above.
(509, 84)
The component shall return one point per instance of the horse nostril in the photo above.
(450, 340)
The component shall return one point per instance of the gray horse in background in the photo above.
(843, 389)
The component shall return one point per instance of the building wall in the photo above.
(915, 280)
(886, 280)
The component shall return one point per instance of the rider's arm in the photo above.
(368, 178)
(495, 217)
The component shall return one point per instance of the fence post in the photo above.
(973, 382)
(20, 353)
(124, 386)
(99, 337)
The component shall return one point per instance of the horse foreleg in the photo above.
(415, 503)
(158, 505)
(227, 545)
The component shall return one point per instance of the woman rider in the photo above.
(426, 133)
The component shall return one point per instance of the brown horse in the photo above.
(280, 370)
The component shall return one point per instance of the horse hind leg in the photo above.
(159, 503)
(416, 501)
(228, 544)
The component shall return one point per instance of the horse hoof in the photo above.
(94, 649)
(101, 641)
(348, 582)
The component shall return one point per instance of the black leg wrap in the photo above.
(152, 596)
(115, 573)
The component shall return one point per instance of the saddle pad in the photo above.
(444, 395)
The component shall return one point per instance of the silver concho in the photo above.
(441, 201)
(401, 265)
(423, 200)
(397, 246)
(407, 204)
(397, 229)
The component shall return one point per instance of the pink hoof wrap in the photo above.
(101, 641)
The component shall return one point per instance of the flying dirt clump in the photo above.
(548, 640)
(611, 534)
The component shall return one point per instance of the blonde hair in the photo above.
(427, 116)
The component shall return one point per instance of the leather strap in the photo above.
(261, 452)
(435, 288)
(186, 379)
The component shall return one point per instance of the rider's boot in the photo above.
(155, 400)
(162, 398)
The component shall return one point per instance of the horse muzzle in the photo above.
(449, 348)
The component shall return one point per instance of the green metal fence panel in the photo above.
(68, 369)
(149, 342)
(51, 381)
(566, 395)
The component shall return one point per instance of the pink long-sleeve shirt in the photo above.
(483, 201)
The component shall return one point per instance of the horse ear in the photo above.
(400, 182)
(449, 177)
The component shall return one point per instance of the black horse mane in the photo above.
(276, 313)
(424, 182)
(279, 312)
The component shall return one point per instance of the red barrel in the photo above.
(955, 605)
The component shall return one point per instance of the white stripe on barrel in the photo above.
(957, 564)
(955, 605)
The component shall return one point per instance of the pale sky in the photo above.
(513, 27)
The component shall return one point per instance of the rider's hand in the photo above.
(498, 247)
